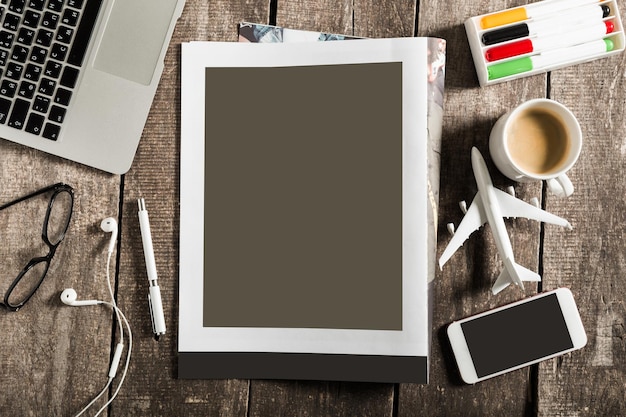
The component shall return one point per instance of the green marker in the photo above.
(549, 58)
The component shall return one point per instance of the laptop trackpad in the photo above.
(133, 38)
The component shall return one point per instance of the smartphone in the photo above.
(516, 335)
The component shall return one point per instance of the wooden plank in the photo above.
(152, 387)
(322, 15)
(463, 287)
(363, 18)
(590, 259)
(54, 358)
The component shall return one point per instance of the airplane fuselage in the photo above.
(491, 206)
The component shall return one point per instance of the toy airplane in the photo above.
(491, 205)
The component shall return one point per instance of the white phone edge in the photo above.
(572, 320)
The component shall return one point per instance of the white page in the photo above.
(412, 340)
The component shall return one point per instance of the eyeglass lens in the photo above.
(28, 281)
(58, 216)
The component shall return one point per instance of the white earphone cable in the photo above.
(122, 321)
(114, 303)
(126, 364)
(105, 389)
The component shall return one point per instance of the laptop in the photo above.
(77, 77)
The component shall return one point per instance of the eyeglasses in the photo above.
(55, 226)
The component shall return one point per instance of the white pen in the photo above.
(154, 296)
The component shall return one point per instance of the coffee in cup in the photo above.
(539, 140)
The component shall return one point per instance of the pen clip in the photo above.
(151, 313)
(156, 310)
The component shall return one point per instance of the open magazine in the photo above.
(436, 62)
(309, 183)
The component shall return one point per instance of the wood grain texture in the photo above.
(591, 259)
(54, 359)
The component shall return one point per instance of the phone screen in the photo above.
(517, 335)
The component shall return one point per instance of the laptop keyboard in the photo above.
(42, 47)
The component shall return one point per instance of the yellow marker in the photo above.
(530, 11)
(503, 18)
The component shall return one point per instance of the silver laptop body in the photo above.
(82, 96)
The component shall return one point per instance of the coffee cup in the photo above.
(540, 139)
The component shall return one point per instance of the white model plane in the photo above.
(491, 205)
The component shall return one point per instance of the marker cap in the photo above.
(503, 18)
(507, 68)
(509, 50)
(506, 34)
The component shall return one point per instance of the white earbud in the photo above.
(68, 296)
(109, 225)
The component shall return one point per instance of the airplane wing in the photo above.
(514, 207)
(473, 220)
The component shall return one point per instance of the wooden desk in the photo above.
(54, 359)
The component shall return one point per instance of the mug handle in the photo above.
(561, 186)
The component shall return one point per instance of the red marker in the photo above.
(527, 46)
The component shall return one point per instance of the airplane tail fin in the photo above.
(513, 273)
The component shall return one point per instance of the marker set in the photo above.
(543, 36)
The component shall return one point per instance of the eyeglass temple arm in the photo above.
(56, 186)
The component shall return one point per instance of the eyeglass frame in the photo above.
(57, 188)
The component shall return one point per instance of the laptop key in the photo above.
(53, 69)
(77, 4)
(19, 113)
(69, 77)
(36, 4)
(83, 33)
(51, 131)
(47, 86)
(57, 114)
(55, 5)
(31, 19)
(11, 22)
(33, 72)
(50, 20)
(6, 39)
(5, 106)
(26, 36)
(20, 53)
(63, 96)
(17, 6)
(8, 88)
(38, 55)
(41, 104)
(70, 17)
(27, 90)
(58, 51)
(64, 34)
(44, 37)
(35, 123)
(14, 71)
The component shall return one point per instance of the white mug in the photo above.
(540, 139)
